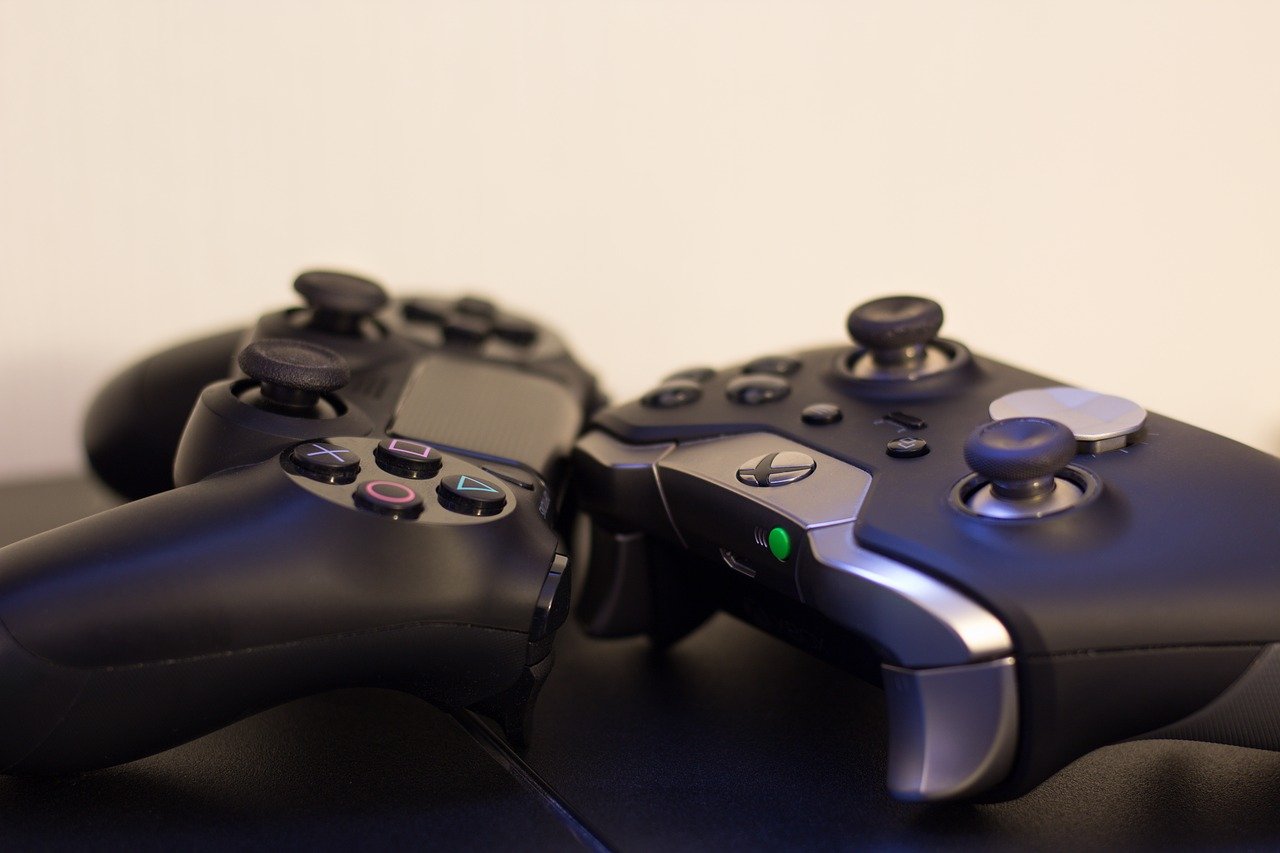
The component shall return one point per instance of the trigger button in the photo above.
(553, 601)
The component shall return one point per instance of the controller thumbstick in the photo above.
(896, 329)
(339, 301)
(1020, 455)
(293, 374)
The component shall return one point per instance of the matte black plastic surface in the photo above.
(134, 454)
(1126, 613)
(261, 578)
(682, 751)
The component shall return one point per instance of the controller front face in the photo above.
(1030, 570)
(373, 510)
(135, 422)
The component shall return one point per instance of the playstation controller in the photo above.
(362, 492)
(1031, 570)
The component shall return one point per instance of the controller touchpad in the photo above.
(488, 409)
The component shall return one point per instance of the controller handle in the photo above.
(152, 623)
(135, 422)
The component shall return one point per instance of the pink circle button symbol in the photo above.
(389, 498)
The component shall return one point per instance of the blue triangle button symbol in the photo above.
(468, 484)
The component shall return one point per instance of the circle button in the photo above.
(469, 495)
(821, 414)
(669, 395)
(756, 388)
(907, 447)
(411, 459)
(328, 463)
(389, 498)
(779, 365)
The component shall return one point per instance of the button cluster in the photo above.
(470, 320)
(466, 494)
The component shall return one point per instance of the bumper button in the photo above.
(553, 601)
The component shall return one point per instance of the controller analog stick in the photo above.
(293, 374)
(896, 329)
(1020, 458)
(1020, 455)
(339, 301)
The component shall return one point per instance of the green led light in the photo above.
(780, 543)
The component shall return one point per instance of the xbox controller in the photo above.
(1030, 570)
(369, 497)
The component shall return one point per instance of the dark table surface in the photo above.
(731, 739)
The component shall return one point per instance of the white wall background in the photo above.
(1092, 189)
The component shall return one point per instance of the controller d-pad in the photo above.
(776, 469)
(326, 462)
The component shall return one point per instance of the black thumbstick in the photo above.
(293, 374)
(339, 301)
(1020, 455)
(895, 329)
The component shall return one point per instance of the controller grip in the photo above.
(132, 430)
(637, 584)
(1245, 714)
(154, 622)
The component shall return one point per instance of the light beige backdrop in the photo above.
(1091, 189)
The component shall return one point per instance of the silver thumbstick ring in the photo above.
(1087, 484)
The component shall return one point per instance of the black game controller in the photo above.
(370, 499)
(1030, 570)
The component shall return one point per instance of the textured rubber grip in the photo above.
(1246, 714)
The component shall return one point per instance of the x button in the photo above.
(325, 461)
(776, 469)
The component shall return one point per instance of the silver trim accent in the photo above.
(953, 731)
(1101, 422)
(916, 620)
(930, 360)
(833, 493)
(986, 503)
(949, 674)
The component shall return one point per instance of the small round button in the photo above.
(408, 458)
(821, 414)
(470, 495)
(515, 331)
(776, 469)
(476, 306)
(389, 498)
(779, 365)
(668, 395)
(326, 462)
(422, 310)
(907, 447)
(467, 329)
(754, 389)
(692, 374)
